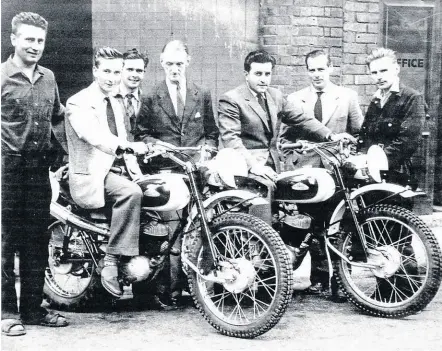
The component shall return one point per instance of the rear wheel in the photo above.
(70, 284)
(407, 262)
(255, 297)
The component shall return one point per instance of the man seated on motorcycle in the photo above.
(97, 140)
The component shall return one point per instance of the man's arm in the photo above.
(294, 117)
(143, 125)
(230, 128)
(211, 131)
(87, 128)
(407, 141)
(355, 117)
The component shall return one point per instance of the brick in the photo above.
(310, 31)
(363, 79)
(284, 60)
(327, 32)
(285, 2)
(360, 59)
(284, 30)
(347, 79)
(335, 52)
(366, 38)
(277, 20)
(305, 21)
(355, 27)
(348, 59)
(367, 17)
(297, 60)
(336, 32)
(349, 37)
(330, 22)
(271, 11)
(355, 48)
(305, 40)
(271, 49)
(269, 30)
(355, 69)
(336, 12)
(317, 11)
(349, 16)
(283, 40)
(305, 11)
(330, 42)
(373, 8)
(356, 6)
(270, 40)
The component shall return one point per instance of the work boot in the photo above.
(109, 276)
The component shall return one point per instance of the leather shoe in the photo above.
(151, 302)
(109, 280)
(315, 289)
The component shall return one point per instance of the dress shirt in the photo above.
(381, 97)
(28, 109)
(171, 87)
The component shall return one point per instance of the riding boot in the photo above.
(109, 276)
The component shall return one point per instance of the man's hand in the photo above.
(340, 136)
(139, 147)
(265, 172)
(62, 173)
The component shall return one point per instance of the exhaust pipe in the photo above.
(67, 217)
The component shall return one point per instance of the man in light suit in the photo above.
(250, 117)
(129, 91)
(334, 106)
(96, 135)
(338, 109)
(178, 112)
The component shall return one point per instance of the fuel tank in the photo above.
(164, 192)
(305, 185)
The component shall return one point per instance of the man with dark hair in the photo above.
(177, 112)
(250, 117)
(337, 108)
(96, 136)
(129, 91)
(31, 110)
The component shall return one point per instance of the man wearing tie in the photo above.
(334, 106)
(338, 109)
(129, 91)
(96, 136)
(178, 112)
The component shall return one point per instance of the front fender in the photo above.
(256, 204)
(393, 189)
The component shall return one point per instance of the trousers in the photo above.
(124, 196)
(26, 196)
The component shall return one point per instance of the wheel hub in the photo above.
(242, 274)
(388, 260)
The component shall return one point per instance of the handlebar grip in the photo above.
(297, 145)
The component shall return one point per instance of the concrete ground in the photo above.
(310, 323)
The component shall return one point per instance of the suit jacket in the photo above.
(157, 119)
(397, 126)
(92, 146)
(244, 124)
(340, 110)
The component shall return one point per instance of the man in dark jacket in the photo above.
(395, 115)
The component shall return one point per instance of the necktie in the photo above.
(263, 104)
(179, 101)
(318, 107)
(111, 117)
(130, 110)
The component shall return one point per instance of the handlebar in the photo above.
(297, 145)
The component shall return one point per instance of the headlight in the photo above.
(369, 166)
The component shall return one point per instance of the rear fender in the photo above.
(387, 188)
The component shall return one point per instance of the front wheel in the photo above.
(406, 259)
(256, 295)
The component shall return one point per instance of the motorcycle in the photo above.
(238, 269)
(385, 258)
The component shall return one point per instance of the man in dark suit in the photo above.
(177, 112)
(250, 117)
(129, 91)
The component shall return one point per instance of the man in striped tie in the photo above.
(129, 90)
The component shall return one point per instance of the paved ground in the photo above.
(310, 323)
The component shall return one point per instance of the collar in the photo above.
(98, 93)
(255, 94)
(327, 88)
(393, 89)
(123, 91)
(12, 69)
(171, 86)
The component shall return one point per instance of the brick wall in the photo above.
(219, 35)
(348, 29)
